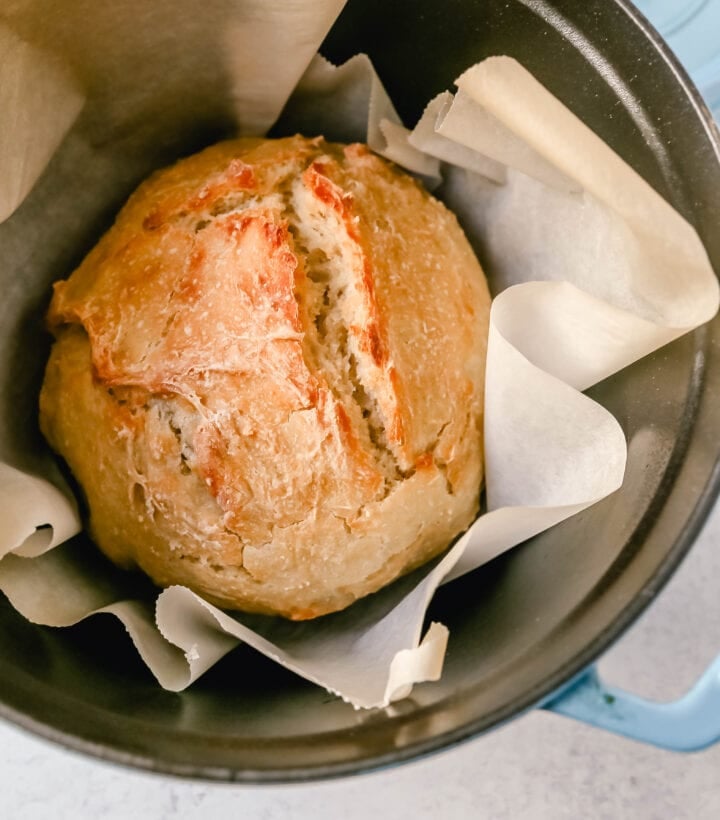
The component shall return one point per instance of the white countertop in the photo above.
(538, 766)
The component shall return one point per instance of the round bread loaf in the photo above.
(268, 377)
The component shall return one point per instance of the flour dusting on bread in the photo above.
(267, 377)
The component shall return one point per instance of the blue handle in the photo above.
(684, 725)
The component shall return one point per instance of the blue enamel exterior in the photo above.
(692, 29)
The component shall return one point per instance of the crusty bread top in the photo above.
(299, 300)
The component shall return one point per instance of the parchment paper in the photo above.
(39, 101)
(593, 270)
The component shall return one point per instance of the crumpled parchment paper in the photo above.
(593, 270)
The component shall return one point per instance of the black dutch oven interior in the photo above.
(520, 626)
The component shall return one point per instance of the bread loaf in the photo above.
(268, 376)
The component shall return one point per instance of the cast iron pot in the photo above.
(522, 628)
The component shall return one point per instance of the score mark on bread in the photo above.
(267, 377)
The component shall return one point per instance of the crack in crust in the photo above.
(331, 258)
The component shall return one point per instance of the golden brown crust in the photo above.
(279, 348)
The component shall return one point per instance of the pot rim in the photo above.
(537, 694)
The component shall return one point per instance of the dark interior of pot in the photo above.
(520, 626)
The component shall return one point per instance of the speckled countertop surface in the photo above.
(539, 766)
